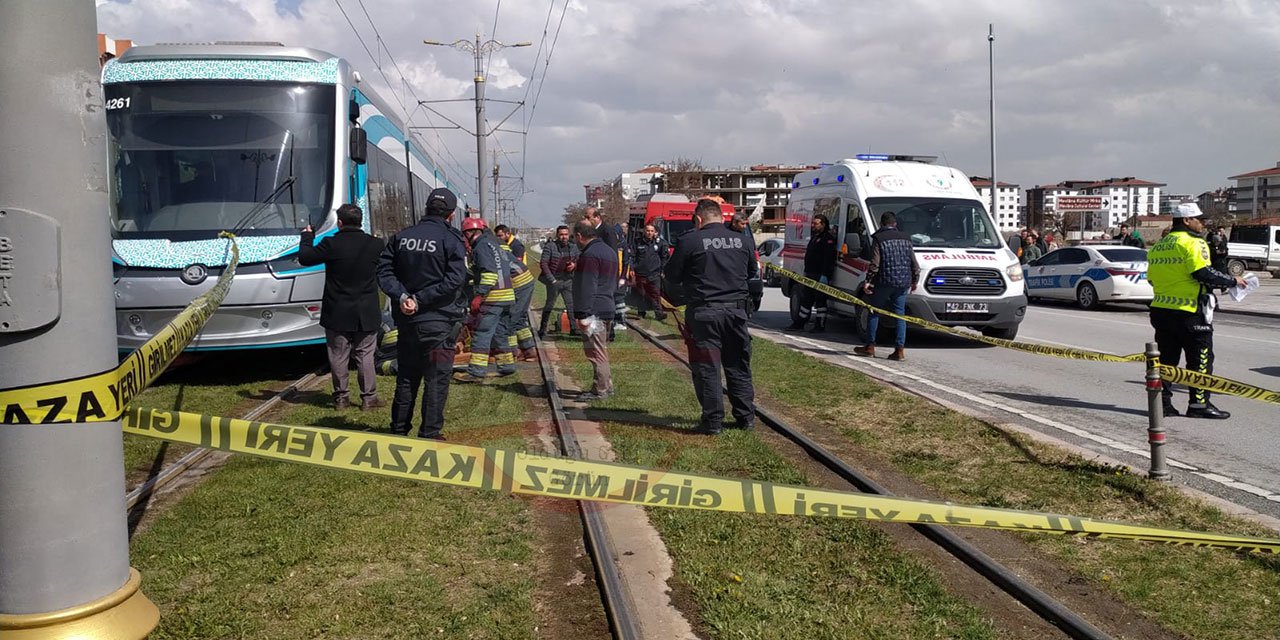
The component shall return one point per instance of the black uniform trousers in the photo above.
(425, 353)
(813, 303)
(1184, 331)
(718, 337)
(564, 290)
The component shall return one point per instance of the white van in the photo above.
(969, 277)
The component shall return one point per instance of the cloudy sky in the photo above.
(1185, 92)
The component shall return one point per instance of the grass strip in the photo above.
(266, 549)
(1220, 594)
(756, 576)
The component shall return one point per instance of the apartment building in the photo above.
(639, 183)
(762, 184)
(1008, 211)
(1127, 199)
(1257, 193)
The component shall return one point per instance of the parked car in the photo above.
(1090, 275)
(770, 251)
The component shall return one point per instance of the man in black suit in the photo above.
(349, 310)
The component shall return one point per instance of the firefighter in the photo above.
(1182, 311)
(820, 265)
(491, 298)
(519, 335)
(422, 270)
(708, 272)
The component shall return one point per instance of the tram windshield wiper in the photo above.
(266, 202)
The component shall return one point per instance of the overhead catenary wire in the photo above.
(443, 149)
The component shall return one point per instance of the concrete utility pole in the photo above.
(478, 50)
(991, 113)
(64, 551)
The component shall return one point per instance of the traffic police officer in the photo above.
(491, 298)
(709, 271)
(422, 270)
(1182, 311)
(519, 335)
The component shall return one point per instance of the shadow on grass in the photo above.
(1073, 403)
(140, 509)
(673, 424)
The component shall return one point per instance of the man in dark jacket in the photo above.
(1218, 249)
(349, 308)
(422, 270)
(594, 282)
(650, 256)
(820, 265)
(555, 270)
(710, 268)
(893, 272)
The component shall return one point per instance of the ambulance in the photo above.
(968, 275)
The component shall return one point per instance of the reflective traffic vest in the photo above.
(521, 277)
(1170, 264)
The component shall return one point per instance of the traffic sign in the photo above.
(1081, 203)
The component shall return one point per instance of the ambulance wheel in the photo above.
(860, 321)
(1087, 296)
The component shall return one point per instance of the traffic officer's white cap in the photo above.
(1187, 210)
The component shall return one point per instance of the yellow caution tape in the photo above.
(524, 473)
(1217, 384)
(1168, 373)
(1030, 347)
(102, 397)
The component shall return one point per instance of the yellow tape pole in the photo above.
(103, 397)
(529, 474)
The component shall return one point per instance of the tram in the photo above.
(258, 139)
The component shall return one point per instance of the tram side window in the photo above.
(420, 193)
(388, 193)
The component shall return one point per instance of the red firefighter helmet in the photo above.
(473, 223)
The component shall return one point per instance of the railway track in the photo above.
(617, 607)
(1039, 602)
(178, 467)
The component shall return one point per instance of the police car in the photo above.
(1090, 275)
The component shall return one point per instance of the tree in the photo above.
(574, 212)
(683, 177)
(614, 209)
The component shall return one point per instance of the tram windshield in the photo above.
(952, 223)
(190, 159)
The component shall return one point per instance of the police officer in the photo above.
(820, 265)
(650, 256)
(422, 270)
(709, 271)
(491, 299)
(1182, 311)
(519, 335)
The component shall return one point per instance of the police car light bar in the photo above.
(898, 158)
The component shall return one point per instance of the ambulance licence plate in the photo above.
(965, 307)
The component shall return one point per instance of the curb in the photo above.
(1247, 312)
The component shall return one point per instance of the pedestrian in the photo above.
(611, 235)
(1030, 247)
(491, 300)
(651, 252)
(820, 265)
(1051, 242)
(740, 223)
(422, 270)
(349, 307)
(892, 274)
(1218, 248)
(519, 335)
(555, 270)
(594, 282)
(1183, 281)
(1041, 243)
(709, 268)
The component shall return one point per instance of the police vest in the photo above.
(1170, 264)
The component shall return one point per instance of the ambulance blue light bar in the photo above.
(898, 158)
(872, 156)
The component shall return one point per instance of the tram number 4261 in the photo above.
(117, 103)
